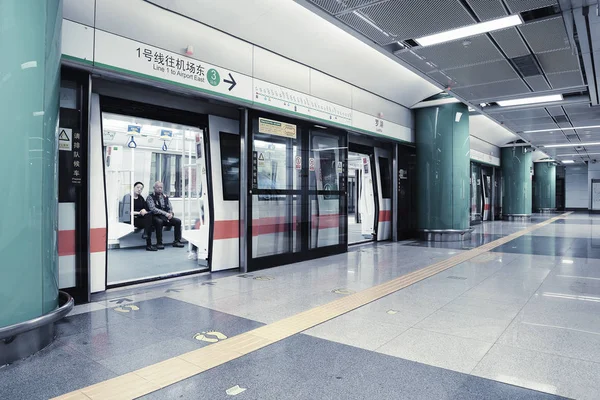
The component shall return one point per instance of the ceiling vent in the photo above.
(526, 65)
(572, 137)
(561, 119)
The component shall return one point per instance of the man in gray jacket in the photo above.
(162, 215)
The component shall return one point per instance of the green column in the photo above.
(544, 189)
(30, 38)
(443, 159)
(516, 171)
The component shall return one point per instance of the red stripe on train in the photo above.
(66, 241)
(385, 215)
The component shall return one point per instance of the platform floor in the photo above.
(518, 318)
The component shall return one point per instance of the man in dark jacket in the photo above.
(162, 215)
(142, 217)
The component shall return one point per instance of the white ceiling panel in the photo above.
(490, 131)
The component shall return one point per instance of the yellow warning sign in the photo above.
(271, 127)
(64, 139)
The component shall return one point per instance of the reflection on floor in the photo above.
(137, 264)
(473, 331)
(354, 231)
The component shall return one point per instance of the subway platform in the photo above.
(512, 314)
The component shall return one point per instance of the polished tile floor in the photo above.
(519, 322)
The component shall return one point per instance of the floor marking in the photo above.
(206, 336)
(343, 291)
(126, 309)
(155, 377)
(234, 391)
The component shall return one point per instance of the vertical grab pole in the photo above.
(245, 147)
(131, 182)
(183, 164)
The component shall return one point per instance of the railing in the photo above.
(8, 333)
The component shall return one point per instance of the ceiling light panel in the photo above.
(367, 27)
(337, 6)
(481, 50)
(470, 30)
(516, 6)
(578, 144)
(487, 10)
(546, 35)
(493, 90)
(566, 79)
(530, 100)
(511, 42)
(564, 129)
(410, 19)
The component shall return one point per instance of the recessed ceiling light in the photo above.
(568, 162)
(530, 100)
(572, 128)
(580, 144)
(470, 30)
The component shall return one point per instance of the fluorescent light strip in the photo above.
(564, 129)
(577, 154)
(572, 144)
(568, 161)
(371, 23)
(530, 100)
(470, 30)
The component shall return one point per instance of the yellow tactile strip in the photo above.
(154, 377)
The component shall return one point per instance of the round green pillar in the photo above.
(30, 44)
(544, 188)
(516, 172)
(443, 159)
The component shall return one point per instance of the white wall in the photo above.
(576, 186)
(593, 173)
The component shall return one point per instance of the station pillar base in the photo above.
(517, 217)
(445, 235)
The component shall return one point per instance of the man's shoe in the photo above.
(160, 246)
(151, 248)
(178, 244)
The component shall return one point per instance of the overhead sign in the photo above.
(134, 129)
(485, 158)
(164, 133)
(365, 122)
(300, 103)
(276, 128)
(65, 139)
(127, 55)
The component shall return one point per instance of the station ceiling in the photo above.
(553, 50)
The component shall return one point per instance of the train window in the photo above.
(230, 165)
(386, 178)
(166, 168)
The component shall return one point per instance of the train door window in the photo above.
(276, 205)
(361, 224)
(326, 189)
(148, 235)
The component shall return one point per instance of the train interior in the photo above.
(149, 151)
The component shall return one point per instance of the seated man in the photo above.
(142, 217)
(162, 214)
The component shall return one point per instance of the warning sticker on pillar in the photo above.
(298, 162)
(65, 136)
